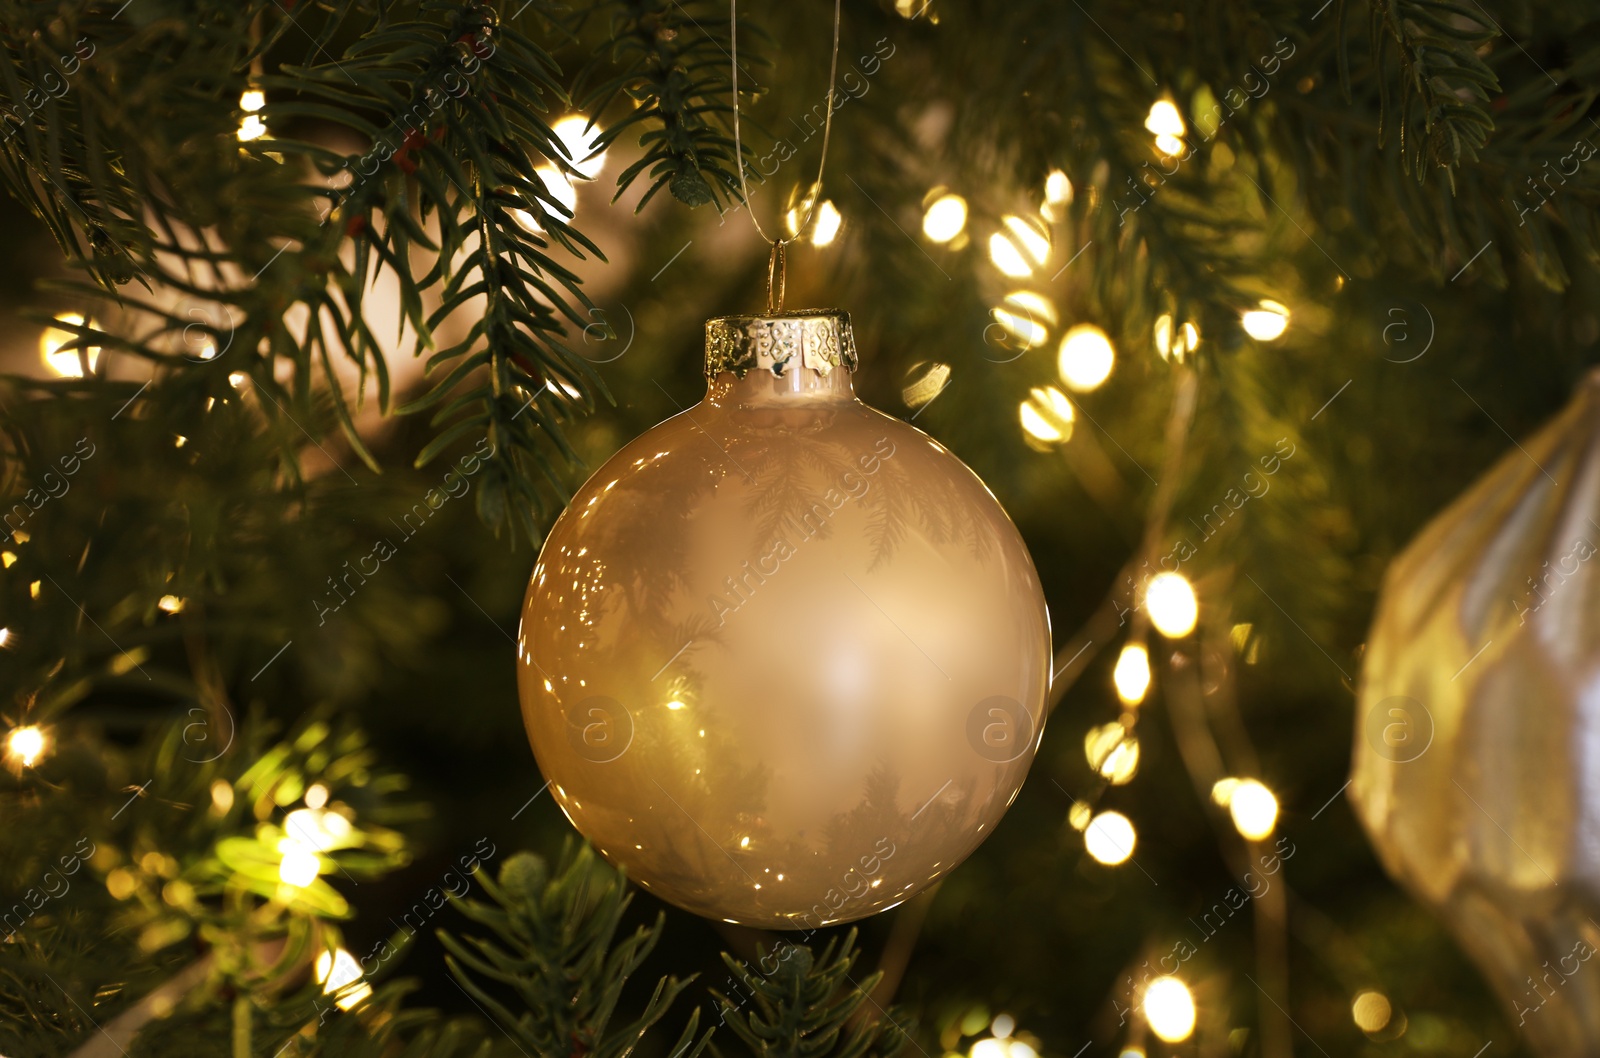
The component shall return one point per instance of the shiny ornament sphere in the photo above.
(784, 658)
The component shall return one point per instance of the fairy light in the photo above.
(826, 227)
(1110, 838)
(1007, 258)
(1175, 343)
(1371, 1011)
(26, 745)
(237, 379)
(559, 188)
(1132, 673)
(337, 971)
(1030, 236)
(575, 135)
(300, 865)
(1169, 1008)
(316, 795)
(1267, 322)
(7, 558)
(1254, 809)
(5, 637)
(170, 604)
(1002, 1026)
(1085, 358)
(1166, 124)
(1026, 316)
(1047, 415)
(1057, 188)
(1172, 605)
(253, 127)
(1222, 791)
(945, 218)
(1113, 752)
(66, 363)
(318, 829)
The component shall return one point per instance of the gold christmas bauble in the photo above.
(784, 658)
(1477, 750)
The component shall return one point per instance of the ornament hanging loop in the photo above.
(777, 276)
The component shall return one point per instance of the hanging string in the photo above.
(776, 263)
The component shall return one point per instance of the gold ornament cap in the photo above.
(805, 340)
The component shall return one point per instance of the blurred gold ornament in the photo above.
(1475, 755)
(784, 658)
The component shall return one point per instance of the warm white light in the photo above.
(1122, 763)
(1175, 345)
(336, 971)
(1006, 257)
(1030, 236)
(1254, 810)
(252, 100)
(317, 828)
(251, 128)
(580, 141)
(25, 745)
(1171, 146)
(1164, 119)
(1372, 1011)
(1003, 1025)
(1057, 188)
(237, 379)
(1169, 1008)
(559, 188)
(66, 362)
(1222, 791)
(945, 219)
(299, 866)
(1110, 838)
(1047, 414)
(316, 795)
(1086, 357)
(988, 1047)
(1132, 673)
(1172, 605)
(826, 226)
(5, 634)
(170, 604)
(1267, 322)
(1022, 326)
(744, 842)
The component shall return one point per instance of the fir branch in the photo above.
(554, 947)
(1443, 84)
(808, 1007)
(670, 60)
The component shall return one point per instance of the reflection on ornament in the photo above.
(1475, 758)
(1169, 1008)
(851, 625)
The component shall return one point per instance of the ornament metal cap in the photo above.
(808, 339)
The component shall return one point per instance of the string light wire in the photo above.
(777, 264)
